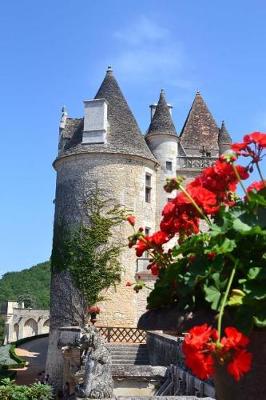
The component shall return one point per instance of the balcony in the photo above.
(191, 162)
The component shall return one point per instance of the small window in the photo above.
(148, 188)
(169, 166)
(147, 230)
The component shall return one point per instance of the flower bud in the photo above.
(131, 219)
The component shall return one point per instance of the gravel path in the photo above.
(35, 353)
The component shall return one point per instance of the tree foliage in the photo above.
(32, 285)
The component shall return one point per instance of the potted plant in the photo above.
(93, 311)
(217, 263)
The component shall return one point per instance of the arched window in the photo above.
(30, 328)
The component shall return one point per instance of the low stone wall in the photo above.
(156, 397)
(164, 349)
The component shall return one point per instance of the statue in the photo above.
(95, 367)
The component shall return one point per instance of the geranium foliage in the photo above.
(220, 268)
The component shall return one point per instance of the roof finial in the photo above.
(109, 69)
(63, 118)
(197, 92)
(162, 92)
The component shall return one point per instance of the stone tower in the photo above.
(106, 147)
(224, 139)
(162, 140)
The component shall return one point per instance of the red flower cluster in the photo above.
(257, 138)
(154, 241)
(257, 186)
(197, 348)
(252, 146)
(209, 190)
(202, 349)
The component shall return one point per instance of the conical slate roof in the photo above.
(161, 123)
(200, 128)
(224, 136)
(123, 135)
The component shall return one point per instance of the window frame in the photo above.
(148, 187)
(169, 163)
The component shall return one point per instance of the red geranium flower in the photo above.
(159, 238)
(141, 246)
(257, 138)
(202, 365)
(240, 364)
(199, 336)
(257, 186)
(234, 339)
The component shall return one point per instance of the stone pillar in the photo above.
(66, 359)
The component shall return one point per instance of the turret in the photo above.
(224, 139)
(162, 140)
(200, 132)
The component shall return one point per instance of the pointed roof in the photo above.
(200, 128)
(123, 135)
(161, 123)
(224, 136)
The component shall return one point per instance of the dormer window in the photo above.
(148, 188)
(169, 166)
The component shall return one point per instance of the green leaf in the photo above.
(240, 226)
(260, 322)
(213, 296)
(227, 246)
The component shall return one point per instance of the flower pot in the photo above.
(252, 386)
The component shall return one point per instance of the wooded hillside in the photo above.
(31, 285)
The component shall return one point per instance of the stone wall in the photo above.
(164, 349)
(122, 178)
(23, 322)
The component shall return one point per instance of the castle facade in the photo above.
(107, 147)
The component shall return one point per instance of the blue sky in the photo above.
(56, 52)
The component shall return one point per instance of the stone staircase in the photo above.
(129, 354)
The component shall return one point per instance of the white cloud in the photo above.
(143, 30)
(149, 52)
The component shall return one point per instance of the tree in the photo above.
(90, 252)
(28, 299)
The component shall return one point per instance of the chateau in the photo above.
(107, 147)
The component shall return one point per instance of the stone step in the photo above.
(142, 351)
(129, 362)
(126, 357)
(126, 347)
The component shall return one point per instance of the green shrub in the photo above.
(10, 391)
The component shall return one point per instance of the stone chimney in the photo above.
(95, 121)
